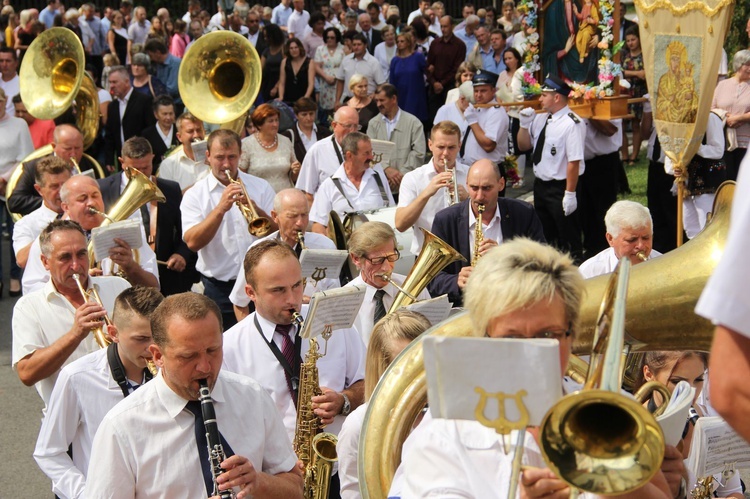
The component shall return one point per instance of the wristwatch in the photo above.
(347, 407)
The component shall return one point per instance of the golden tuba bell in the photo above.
(220, 76)
(672, 284)
(139, 190)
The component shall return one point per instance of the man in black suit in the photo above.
(128, 114)
(624, 22)
(162, 221)
(163, 134)
(502, 220)
(68, 145)
(373, 36)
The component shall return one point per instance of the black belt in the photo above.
(553, 181)
(213, 280)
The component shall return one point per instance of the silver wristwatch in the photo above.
(347, 407)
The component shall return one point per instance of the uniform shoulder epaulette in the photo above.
(574, 117)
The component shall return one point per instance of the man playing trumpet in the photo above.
(52, 326)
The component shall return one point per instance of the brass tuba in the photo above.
(665, 290)
(219, 77)
(139, 190)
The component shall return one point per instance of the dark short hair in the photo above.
(162, 101)
(45, 237)
(138, 300)
(256, 253)
(360, 37)
(155, 45)
(389, 89)
(189, 306)
(633, 30)
(316, 17)
(9, 50)
(17, 99)
(225, 137)
(136, 148)
(274, 35)
(498, 31)
(49, 165)
(304, 104)
(263, 112)
(289, 43)
(335, 32)
(373, 5)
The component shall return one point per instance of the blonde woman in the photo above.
(361, 101)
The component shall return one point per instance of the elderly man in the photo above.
(52, 326)
(443, 59)
(139, 28)
(361, 62)
(51, 173)
(372, 35)
(161, 221)
(291, 212)
(9, 80)
(214, 226)
(181, 166)
(429, 189)
(89, 387)
(67, 143)
(557, 137)
(502, 220)
(188, 348)
(79, 195)
(372, 248)
(354, 186)
(128, 114)
(166, 68)
(325, 156)
(466, 33)
(629, 233)
(487, 136)
(404, 129)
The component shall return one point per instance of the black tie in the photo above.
(289, 353)
(463, 143)
(146, 216)
(379, 306)
(540, 142)
(656, 154)
(298, 250)
(194, 406)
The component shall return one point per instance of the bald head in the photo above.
(484, 183)
(68, 143)
(75, 184)
(288, 197)
(346, 120)
(78, 195)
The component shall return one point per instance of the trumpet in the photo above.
(100, 333)
(451, 192)
(387, 278)
(256, 225)
(478, 235)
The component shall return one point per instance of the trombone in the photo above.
(256, 225)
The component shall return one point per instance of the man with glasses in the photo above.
(325, 156)
(355, 186)
(372, 248)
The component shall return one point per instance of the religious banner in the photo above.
(681, 42)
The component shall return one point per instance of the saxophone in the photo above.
(215, 449)
(317, 451)
(478, 235)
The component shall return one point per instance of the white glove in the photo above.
(471, 115)
(570, 203)
(526, 117)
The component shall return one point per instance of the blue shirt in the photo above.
(469, 40)
(280, 15)
(489, 63)
(167, 73)
(47, 16)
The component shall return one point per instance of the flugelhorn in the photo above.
(256, 225)
(451, 191)
(100, 333)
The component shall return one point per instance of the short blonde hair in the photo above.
(518, 274)
(370, 235)
(400, 325)
(355, 80)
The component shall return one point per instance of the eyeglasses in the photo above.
(380, 260)
(551, 334)
(350, 126)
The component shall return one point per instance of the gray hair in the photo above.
(45, 237)
(351, 142)
(472, 19)
(141, 59)
(741, 57)
(370, 235)
(387, 29)
(120, 69)
(627, 214)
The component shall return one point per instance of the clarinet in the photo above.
(215, 449)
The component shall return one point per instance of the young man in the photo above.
(89, 387)
(162, 135)
(181, 166)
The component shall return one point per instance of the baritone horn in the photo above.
(100, 333)
(256, 225)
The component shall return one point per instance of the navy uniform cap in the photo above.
(483, 77)
(555, 84)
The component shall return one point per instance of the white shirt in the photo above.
(308, 142)
(598, 143)
(347, 450)
(35, 275)
(123, 105)
(183, 170)
(126, 462)
(44, 316)
(714, 146)
(412, 185)
(605, 262)
(367, 66)
(493, 230)
(390, 124)
(724, 299)
(166, 138)
(297, 23)
(313, 240)
(494, 123)
(222, 257)
(383, 53)
(253, 37)
(364, 321)
(85, 391)
(451, 112)
(246, 352)
(320, 162)
(29, 227)
(367, 197)
(566, 137)
(15, 143)
(12, 87)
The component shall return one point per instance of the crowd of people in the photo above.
(204, 298)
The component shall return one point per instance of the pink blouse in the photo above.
(734, 97)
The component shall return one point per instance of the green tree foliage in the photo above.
(737, 36)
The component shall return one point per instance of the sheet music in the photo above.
(321, 263)
(672, 421)
(103, 238)
(382, 151)
(336, 308)
(716, 446)
(199, 150)
(435, 309)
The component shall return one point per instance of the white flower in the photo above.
(624, 83)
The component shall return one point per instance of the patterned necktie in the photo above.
(194, 406)
(379, 306)
(540, 142)
(288, 351)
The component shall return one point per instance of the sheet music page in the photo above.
(715, 445)
(321, 263)
(103, 238)
(435, 309)
(382, 151)
(672, 421)
(336, 308)
(199, 150)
